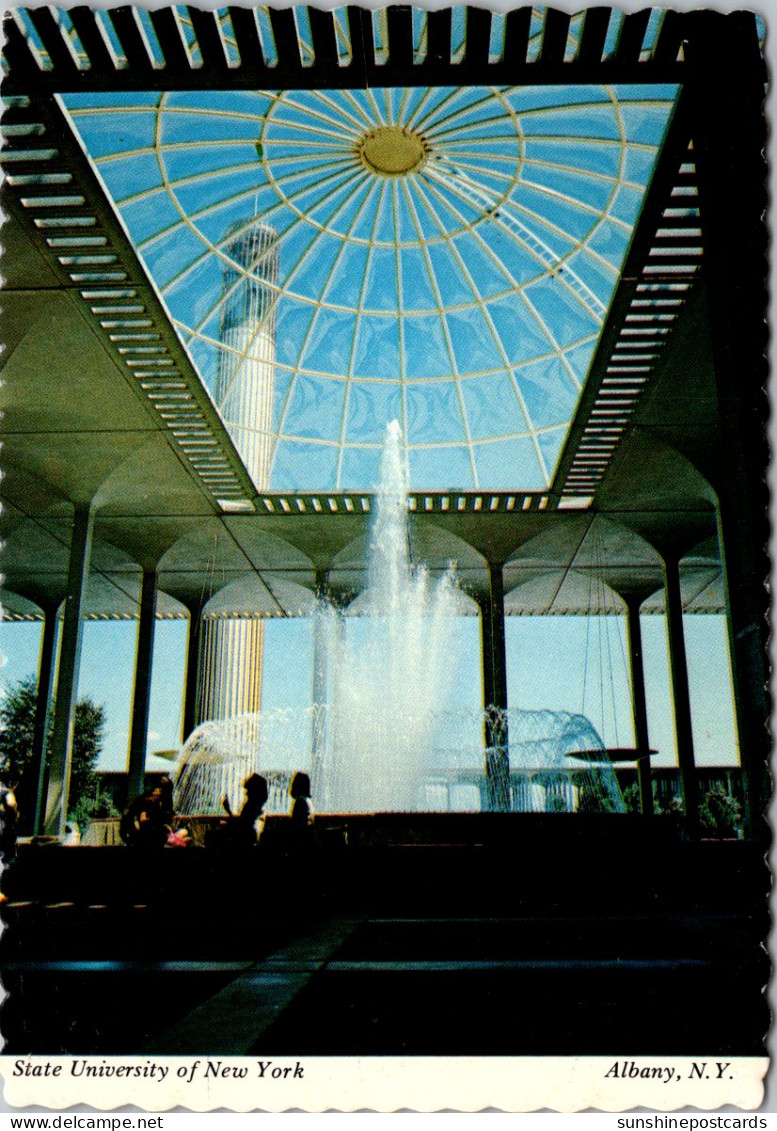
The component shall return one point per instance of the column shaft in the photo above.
(639, 704)
(681, 696)
(492, 629)
(32, 821)
(141, 696)
(58, 787)
(320, 681)
(191, 682)
(729, 140)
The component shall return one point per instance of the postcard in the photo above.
(383, 721)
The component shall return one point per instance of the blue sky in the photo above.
(464, 297)
(546, 665)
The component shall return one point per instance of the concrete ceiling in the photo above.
(79, 427)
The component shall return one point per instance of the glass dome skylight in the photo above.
(445, 257)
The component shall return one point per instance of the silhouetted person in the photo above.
(9, 816)
(147, 823)
(243, 830)
(301, 809)
(8, 828)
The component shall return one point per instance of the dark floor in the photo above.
(652, 947)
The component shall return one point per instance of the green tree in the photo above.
(17, 720)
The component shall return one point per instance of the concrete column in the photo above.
(141, 696)
(492, 629)
(58, 788)
(681, 697)
(729, 135)
(745, 623)
(191, 679)
(31, 815)
(320, 680)
(639, 702)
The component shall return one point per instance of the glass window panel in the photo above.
(639, 92)
(377, 348)
(638, 164)
(645, 124)
(492, 406)
(454, 204)
(440, 469)
(194, 199)
(575, 223)
(312, 275)
(611, 241)
(180, 127)
(531, 224)
(551, 443)
(602, 159)
(315, 409)
(627, 204)
(598, 277)
(433, 413)
(205, 357)
(580, 358)
(298, 466)
(561, 309)
(353, 204)
(149, 216)
(114, 131)
(430, 223)
(519, 265)
(712, 704)
(381, 292)
(128, 178)
(291, 330)
(167, 257)
(330, 343)
(337, 205)
(474, 344)
(487, 272)
(540, 99)
(194, 162)
(297, 244)
(365, 222)
(451, 282)
(425, 347)
(284, 379)
(193, 296)
(591, 122)
(519, 332)
(371, 406)
(417, 290)
(97, 102)
(590, 191)
(507, 462)
(360, 468)
(548, 392)
(347, 277)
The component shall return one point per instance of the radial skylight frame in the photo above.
(467, 424)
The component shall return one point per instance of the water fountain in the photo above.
(381, 737)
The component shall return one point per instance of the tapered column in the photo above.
(492, 627)
(191, 679)
(32, 806)
(320, 680)
(58, 787)
(639, 702)
(729, 154)
(681, 697)
(141, 697)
